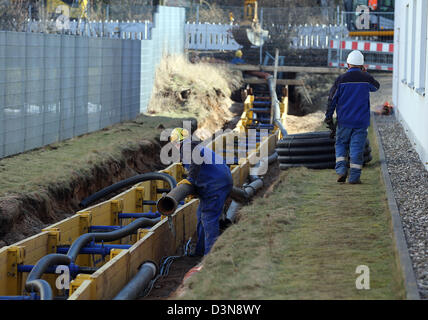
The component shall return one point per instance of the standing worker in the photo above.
(212, 181)
(350, 97)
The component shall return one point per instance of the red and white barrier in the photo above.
(367, 46)
(379, 54)
(368, 66)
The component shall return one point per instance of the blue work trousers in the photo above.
(209, 212)
(350, 141)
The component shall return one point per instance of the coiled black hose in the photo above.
(86, 238)
(34, 283)
(126, 183)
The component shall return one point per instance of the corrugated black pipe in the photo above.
(126, 183)
(140, 281)
(34, 283)
(240, 195)
(169, 203)
(86, 238)
(271, 159)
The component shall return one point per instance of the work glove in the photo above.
(184, 181)
(332, 126)
(190, 196)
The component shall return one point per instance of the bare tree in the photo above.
(130, 10)
(13, 15)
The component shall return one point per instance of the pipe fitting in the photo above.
(169, 203)
(140, 281)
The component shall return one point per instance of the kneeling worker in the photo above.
(350, 97)
(212, 181)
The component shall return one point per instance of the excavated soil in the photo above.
(24, 215)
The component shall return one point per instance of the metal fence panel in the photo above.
(58, 86)
(81, 87)
(34, 92)
(2, 93)
(52, 89)
(147, 73)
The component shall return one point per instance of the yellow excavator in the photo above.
(250, 32)
(73, 9)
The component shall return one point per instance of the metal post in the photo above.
(61, 86)
(275, 74)
(3, 96)
(261, 25)
(340, 50)
(44, 104)
(197, 14)
(337, 16)
(25, 91)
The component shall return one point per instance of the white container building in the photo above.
(410, 78)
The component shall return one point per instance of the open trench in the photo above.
(170, 287)
(24, 215)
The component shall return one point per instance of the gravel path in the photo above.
(410, 183)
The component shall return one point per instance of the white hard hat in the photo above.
(355, 58)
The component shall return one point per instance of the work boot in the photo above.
(342, 177)
(355, 182)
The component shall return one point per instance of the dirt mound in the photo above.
(317, 90)
(23, 215)
(200, 90)
(307, 123)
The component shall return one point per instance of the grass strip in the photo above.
(304, 240)
(59, 162)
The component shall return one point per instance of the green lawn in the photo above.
(304, 240)
(60, 162)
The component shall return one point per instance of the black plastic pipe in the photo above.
(140, 281)
(169, 203)
(126, 183)
(34, 283)
(232, 210)
(86, 238)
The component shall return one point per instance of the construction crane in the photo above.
(250, 32)
(370, 18)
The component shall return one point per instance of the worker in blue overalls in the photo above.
(350, 97)
(212, 180)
